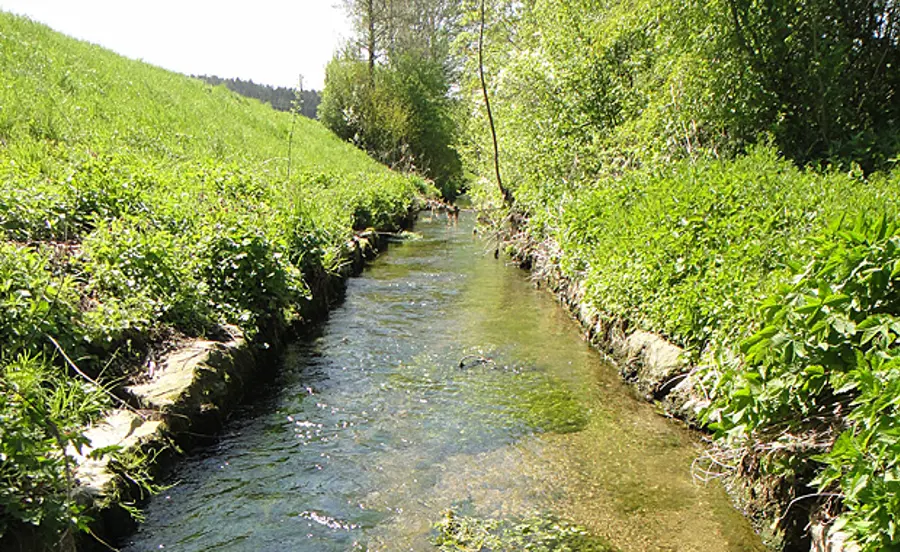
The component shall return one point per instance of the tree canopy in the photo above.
(390, 90)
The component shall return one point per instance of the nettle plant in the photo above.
(825, 368)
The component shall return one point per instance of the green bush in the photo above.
(629, 136)
(587, 88)
(70, 205)
(248, 275)
(401, 114)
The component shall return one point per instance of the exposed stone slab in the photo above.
(655, 363)
(192, 389)
(122, 429)
(174, 375)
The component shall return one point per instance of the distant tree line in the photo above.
(280, 97)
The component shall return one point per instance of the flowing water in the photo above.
(372, 430)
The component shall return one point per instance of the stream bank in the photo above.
(660, 373)
(372, 432)
(187, 398)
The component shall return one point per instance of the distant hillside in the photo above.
(278, 97)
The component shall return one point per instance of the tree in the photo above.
(833, 70)
(389, 92)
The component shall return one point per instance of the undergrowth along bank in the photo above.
(781, 284)
(137, 207)
(723, 174)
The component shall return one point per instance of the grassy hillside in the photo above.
(137, 205)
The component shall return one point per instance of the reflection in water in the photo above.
(372, 430)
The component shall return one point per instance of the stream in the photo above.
(371, 431)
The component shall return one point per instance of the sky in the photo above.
(269, 41)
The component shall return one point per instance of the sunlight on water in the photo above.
(372, 431)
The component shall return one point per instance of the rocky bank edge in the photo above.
(660, 373)
(187, 398)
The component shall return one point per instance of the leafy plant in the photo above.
(827, 360)
(247, 275)
(35, 301)
(129, 257)
(42, 411)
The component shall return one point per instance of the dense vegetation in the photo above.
(304, 102)
(720, 172)
(389, 91)
(137, 205)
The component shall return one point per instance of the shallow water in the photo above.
(372, 430)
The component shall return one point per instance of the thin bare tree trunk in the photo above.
(371, 38)
(507, 197)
